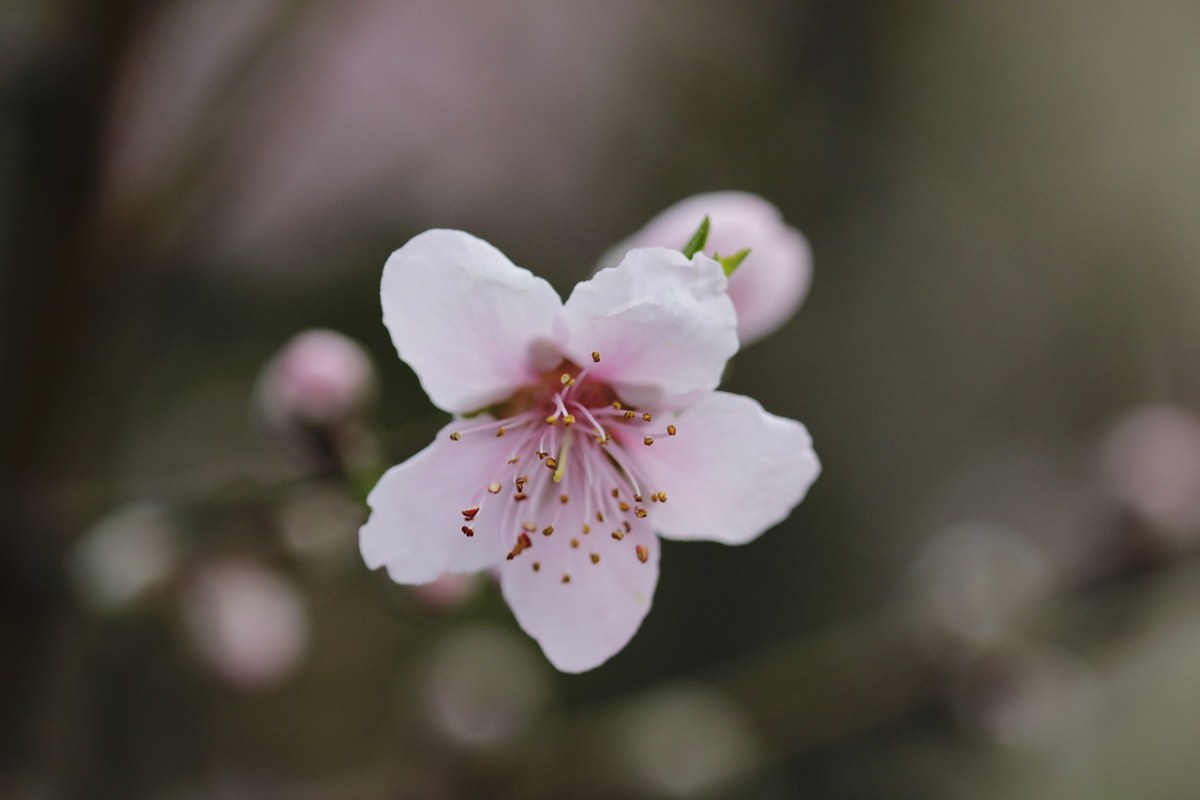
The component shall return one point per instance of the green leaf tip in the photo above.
(698, 240)
(730, 263)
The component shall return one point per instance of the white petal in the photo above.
(582, 623)
(664, 325)
(773, 280)
(731, 472)
(465, 318)
(415, 527)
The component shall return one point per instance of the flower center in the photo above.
(570, 469)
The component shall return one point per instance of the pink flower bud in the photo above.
(320, 377)
(770, 284)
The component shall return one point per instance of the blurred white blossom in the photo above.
(123, 555)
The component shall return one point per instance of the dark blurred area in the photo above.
(992, 591)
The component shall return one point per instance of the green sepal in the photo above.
(698, 240)
(730, 263)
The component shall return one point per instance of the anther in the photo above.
(618, 535)
(623, 506)
(616, 492)
(468, 531)
(513, 460)
(595, 558)
(519, 496)
(646, 417)
(640, 512)
(642, 553)
(637, 498)
(454, 437)
(630, 414)
(546, 531)
(671, 430)
(649, 440)
(494, 488)
(524, 541)
(574, 544)
(469, 513)
(528, 526)
(662, 497)
(628, 528)
(564, 499)
(568, 419)
(552, 419)
(537, 566)
(596, 356)
(599, 516)
(586, 529)
(566, 578)
(564, 379)
(499, 431)
(552, 463)
(520, 482)
(617, 405)
(542, 454)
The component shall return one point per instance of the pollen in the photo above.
(494, 488)
(671, 430)
(546, 531)
(454, 437)
(469, 513)
(468, 531)
(642, 553)
(649, 440)
(618, 535)
(596, 356)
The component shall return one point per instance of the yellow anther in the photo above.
(528, 526)
(616, 492)
(564, 499)
(537, 566)
(586, 529)
(671, 430)
(454, 437)
(637, 498)
(546, 531)
(552, 419)
(662, 497)
(568, 419)
(551, 463)
(617, 405)
(494, 488)
(574, 544)
(618, 535)
(596, 356)
(566, 578)
(599, 516)
(649, 440)
(640, 512)
(513, 460)
(623, 506)
(630, 414)
(628, 528)
(565, 379)
(595, 558)
(646, 417)
(499, 431)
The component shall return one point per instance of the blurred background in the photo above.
(992, 591)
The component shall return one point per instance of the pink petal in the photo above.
(773, 280)
(664, 325)
(731, 472)
(466, 319)
(581, 623)
(415, 527)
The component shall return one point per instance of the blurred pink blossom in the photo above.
(246, 622)
(773, 280)
(320, 377)
(447, 592)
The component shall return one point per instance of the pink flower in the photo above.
(773, 280)
(599, 426)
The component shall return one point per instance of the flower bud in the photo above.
(125, 555)
(319, 378)
(769, 285)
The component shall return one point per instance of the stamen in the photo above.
(637, 498)
(469, 513)
(640, 512)
(586, 529)
(454, 437)
(574, 544)
(671, 430)
(468, 530)
(552, 463)
(649, 440)
(528, 526)
(537, 566)
(520, 496)
(623, 506)
(564, 379)
(595, 558)
(596, 356)
(520, 482)
(630, 414)
(564, 499)
(494, 488)
(646, 417)
(566, 578)
(616, 404)
(627, 526)
(568, 419)
(642, 553)
(618, 535)
(514, 460)
(525, 541)
(548, 530)
(616, 492)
